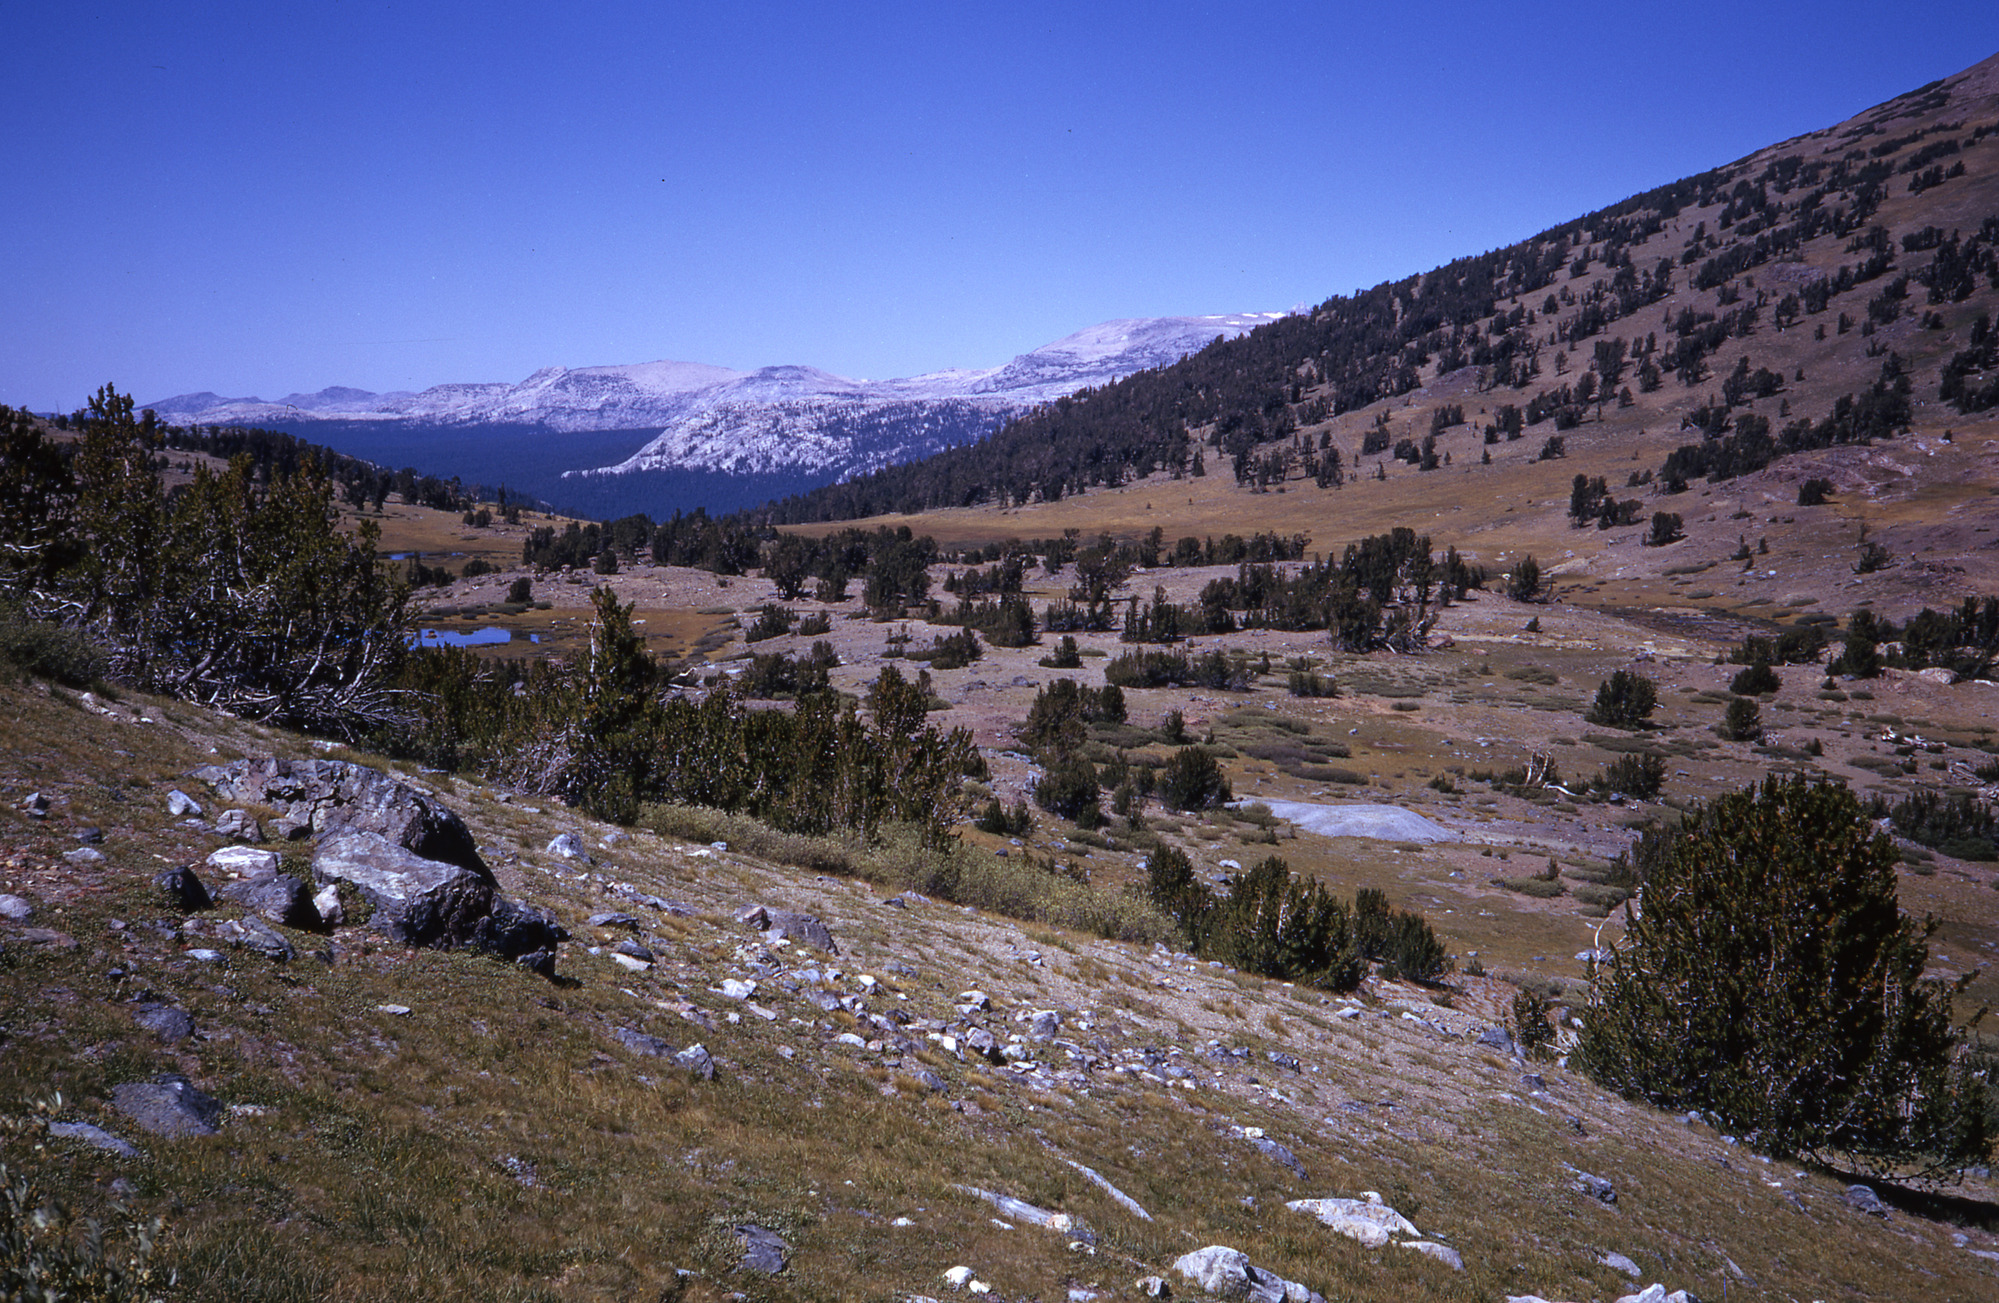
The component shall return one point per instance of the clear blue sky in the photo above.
(261, 198)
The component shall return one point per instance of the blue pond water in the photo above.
(453, 638)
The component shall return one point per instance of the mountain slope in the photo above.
(1815, 259)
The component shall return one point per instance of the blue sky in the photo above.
(257, 199)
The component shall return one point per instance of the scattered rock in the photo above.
(958, 1277)
(240, 825)
(640, 1043)
(182, 889)
(1443, 1253)
(1862, 1199)
(204, 955)
(83, 855)
(763, 1250)
(1279, 1154)
(180, 805)
(1227, 1273)
(275, 897)
(798, 927)
(165, 1021)
(1368, 1220)
(326, 903)
(1939, 674)
(394, 1010)
(1044, 1025)
(253, 933)
(614, 918)
(1657, 1294)
(569, 846)
(1288, 1062)
(737, 989)
(633, 950)
(35, 805)
(1595, 1187)
(1618, 1262)
(697, 1060)
(245, 860)
(15, 909)
(168, 1105)
(1153, 1287)
(1496, 1038)
(94, 1136)
(1021, 1210)
(611, 840)
(896, 902)
(89, 836)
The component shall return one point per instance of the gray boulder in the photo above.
(640, 1043)
(763, 1250)
(631, 949)
(182, 889)
(798, 927)
(1443, 1253)
(168, 1105)
(415, 900)
(180, 805)
(1618, 1262)
(1496, 1038)
(238, 824)
(514, 930)
(569, 846)
(1862, 1199)
(15, 909)
(1044, 1025)
(165, 1021)
(253, 933)
(1368, 1220)
(331, 797)
(1228, 1273)
(1595, 1187)
(614, 918)
(697, 1060)
(1278, 1154)
(247, 861)
(274, 897)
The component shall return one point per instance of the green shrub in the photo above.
(48, 650)
(520, 592)
(1742, 722)
(772, 621)
(1756, 680)
(1069, 788)
(45, 1254)
(1634, 775)
(1533, 1030)
(1065, 656)
(1624, 700)
(1193, 780)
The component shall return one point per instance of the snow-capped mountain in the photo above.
(781, 419)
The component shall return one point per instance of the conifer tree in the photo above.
(1771, 981)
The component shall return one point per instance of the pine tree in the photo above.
(1771, 981)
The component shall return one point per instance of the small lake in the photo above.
(474, 638)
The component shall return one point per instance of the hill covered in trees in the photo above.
(1810, 295)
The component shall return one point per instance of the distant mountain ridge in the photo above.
(786, 421)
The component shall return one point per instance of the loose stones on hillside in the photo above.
(168, 1105)
(1228, 1273)
(180, 805)
(15, 909)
